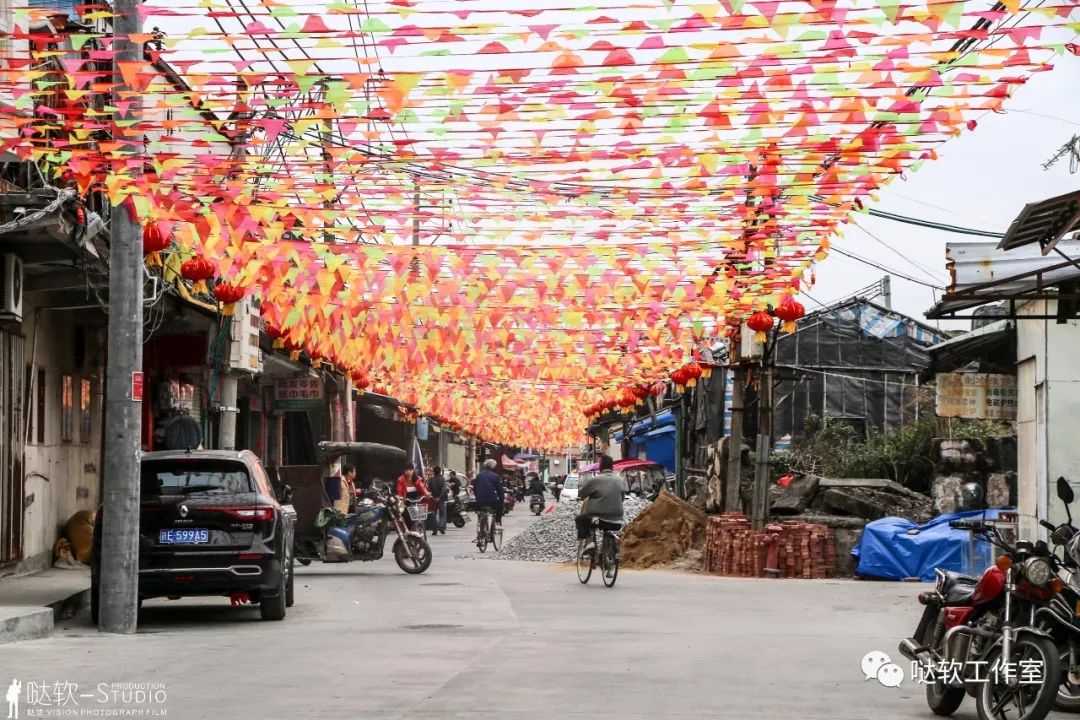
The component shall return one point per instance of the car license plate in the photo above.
(174, 536)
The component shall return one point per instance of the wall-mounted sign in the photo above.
(976, 395)
(303, 393)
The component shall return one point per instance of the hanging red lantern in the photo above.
(276, 336)
(627, 399)
(640, 393)
(693, 372)
(198, 270)
(228, 295)
(789, 311)
(761, 323)
(680, 378)
(153, 242)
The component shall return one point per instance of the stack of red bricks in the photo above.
(804, 550)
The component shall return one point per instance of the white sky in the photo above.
(981, 179)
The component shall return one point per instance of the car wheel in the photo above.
(272, 607)
(289, 599)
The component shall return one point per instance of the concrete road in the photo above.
(496, 639)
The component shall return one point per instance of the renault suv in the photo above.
(210, 524)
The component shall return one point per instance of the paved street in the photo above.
(499, 639)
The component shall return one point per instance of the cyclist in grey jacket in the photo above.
(603, 494)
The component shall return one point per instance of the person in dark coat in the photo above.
(437, 487)
(489, 491)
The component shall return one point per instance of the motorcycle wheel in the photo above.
(1029, 702)
(943, 699)
(1068, 695)
(459, 522)
(404, 558)
(304, 561)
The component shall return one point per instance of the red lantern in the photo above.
(275, 335)
(640, 393)
(680, 378)
(198, 270)
(789, 311)
(693, 372)
(761, 323)
(627, 399)
(153, 242)
(228, 294)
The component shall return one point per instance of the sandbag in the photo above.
(80, 533)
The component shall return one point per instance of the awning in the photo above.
(667, 417)
(510, 464)
(992, 340)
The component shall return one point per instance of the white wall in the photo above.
(72, 468)
(1048, 398)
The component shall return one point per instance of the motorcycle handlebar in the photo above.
(1048, 525)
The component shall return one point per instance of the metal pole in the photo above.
(229, 411)
(732, 499)
(119, 577)
(760, 505)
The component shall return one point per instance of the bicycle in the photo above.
(607, 549)
(486, 531)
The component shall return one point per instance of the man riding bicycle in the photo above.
(489, 491)
(604, 494)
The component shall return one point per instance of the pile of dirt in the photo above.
(663, 533)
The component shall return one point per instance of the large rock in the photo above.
(850, 502)
(797, 496)
(945, 493)
(1001, 490)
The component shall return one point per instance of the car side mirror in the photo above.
(1065, 491)
(285, 495)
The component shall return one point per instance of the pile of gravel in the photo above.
(553, 538)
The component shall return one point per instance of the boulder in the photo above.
(797, 496)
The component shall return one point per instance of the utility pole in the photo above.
(119, 583)
(732, 499)
(759, 509)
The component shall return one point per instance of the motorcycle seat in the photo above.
(958, 588)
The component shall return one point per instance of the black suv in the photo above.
(210, 524)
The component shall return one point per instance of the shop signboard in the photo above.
(302, 393)
(983, 396)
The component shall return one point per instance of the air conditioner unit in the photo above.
(11, 287)
(748, 348)
(246, 355)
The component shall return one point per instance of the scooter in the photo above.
(536, 503)
(455, 511)
(362, 536)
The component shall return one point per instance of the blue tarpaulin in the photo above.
(894, 548)
(659, 446)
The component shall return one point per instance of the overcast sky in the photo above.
(982, 179)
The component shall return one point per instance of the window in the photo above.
(67, 408)
(85, 399)
(39, 416)
(186, 477)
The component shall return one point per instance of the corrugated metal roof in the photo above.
(982, 273)
(1044, 223)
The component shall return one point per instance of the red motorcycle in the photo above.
(977, 636)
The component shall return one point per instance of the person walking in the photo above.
(490, 494)
(438, 489)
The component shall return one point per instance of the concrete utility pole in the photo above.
(118, 599)
(759, 510)
(732, 500)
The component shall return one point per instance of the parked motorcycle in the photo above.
(455, 511)
(1058, 616)
(981, 629)
(362, 536)
(536, 504)
(509, 501)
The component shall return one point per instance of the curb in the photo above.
(28, 622)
